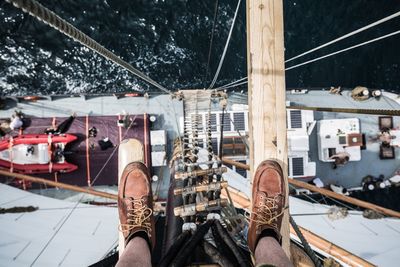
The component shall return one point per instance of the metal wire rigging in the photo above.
(211, 39)
(346, 35)
(47, 16)
(344, 50)
(232, 84)
(225, 48)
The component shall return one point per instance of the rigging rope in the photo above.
(234, 82)
(347, 35)
(344, 50)
(225, 48)
(390, 112)
(233, 85)
(47, 16)
(211, 39)
(305, 244)
(334, 53)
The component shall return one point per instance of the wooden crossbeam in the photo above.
(200, 188)
(184, 175)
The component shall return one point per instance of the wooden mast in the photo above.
(266, 92)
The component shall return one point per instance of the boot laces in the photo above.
(268, 212)
(138, 216)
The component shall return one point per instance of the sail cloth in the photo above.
(85, 238)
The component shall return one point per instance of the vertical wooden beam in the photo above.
(266, 76)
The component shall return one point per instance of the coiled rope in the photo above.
(47, 16)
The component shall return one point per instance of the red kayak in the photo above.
(36, 153)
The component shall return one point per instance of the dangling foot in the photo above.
(135, 204)
(268, 196)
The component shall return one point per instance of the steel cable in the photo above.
(211, 39)
(344, 50)
(47, 16)
(225, 48)
(346, 35)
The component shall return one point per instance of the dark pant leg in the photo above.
(64, 126)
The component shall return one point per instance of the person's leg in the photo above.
(268, 251)
(64, 126)
(268, 199)
(135, 207)
(136, 253)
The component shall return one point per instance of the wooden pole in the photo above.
(328, 193)
(58, 184)
(267, 91)
(236, 164)
(344, 198)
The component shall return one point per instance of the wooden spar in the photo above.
(239, 198)
(328, 193)
(266, 90)
(58, 184)
(235, 163)
(347, 199)
(332, 249)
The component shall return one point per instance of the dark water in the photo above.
(169, 41)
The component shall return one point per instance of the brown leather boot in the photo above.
(268, 200)
(135, 202)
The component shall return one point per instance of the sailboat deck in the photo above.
(95, 166)
(101, 112)
(352, 173)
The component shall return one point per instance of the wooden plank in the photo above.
(351, 200)
(235, 163)
(266, 76)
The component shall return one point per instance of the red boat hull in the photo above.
(35, 139)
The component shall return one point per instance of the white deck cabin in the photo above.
(339, 135)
